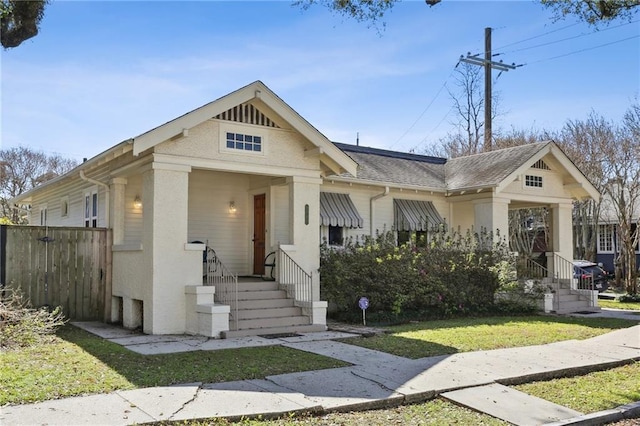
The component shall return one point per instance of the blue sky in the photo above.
(101, 72)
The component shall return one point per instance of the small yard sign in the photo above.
(364, 304)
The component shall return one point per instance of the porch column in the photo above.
(492, 214)
(562, 229)
(170, 266)
(304, 225)
(117, 205)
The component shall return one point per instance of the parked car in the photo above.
(584, 271)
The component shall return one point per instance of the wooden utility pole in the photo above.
(488, 65)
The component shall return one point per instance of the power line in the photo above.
(581, 50)
(432, 130)
(565, 39)
(537, 36)
(426, 109)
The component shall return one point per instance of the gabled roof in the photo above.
(493, 169)
(497, 169)
(383, 166)
(256, 92)
(489, 169)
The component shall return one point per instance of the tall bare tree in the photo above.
(623, 191)
(583, 141)
(21, 169)
(467, 97)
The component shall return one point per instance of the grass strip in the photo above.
(436, 412)
(444, 337)
(76, 362)
(615, 304)
(601, 390)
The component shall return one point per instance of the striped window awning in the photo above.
(338, 210)
(415, 215)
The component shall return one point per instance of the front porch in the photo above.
(228, 305)
(243, 217)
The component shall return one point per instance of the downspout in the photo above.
(374, 198)
(107, 216)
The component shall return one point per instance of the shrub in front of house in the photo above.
(449, 274)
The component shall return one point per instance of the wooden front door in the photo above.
(258, 234)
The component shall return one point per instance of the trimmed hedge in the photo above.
(450, 274)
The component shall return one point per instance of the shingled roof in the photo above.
(488, 169)
(385, 166)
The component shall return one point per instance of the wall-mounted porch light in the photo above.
(137, 202)
(232, 207)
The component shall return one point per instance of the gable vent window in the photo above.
(533, 181)
(244, 142)
(540, 165)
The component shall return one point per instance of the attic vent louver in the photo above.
(540, 165)
(246, 113)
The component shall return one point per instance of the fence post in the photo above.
(107, 261)
(3, 256)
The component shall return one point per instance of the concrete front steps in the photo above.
(264, 309)
(570, 301)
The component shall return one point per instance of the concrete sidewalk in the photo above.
(375, 379)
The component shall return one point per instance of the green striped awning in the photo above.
(415, 215)
(338, 210)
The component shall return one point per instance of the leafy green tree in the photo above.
(591, 11)
(19, 20)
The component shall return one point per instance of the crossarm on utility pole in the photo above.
(488, 65)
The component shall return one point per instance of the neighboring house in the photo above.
(607, 247)
(247, 175)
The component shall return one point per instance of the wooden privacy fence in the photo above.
(55, 266)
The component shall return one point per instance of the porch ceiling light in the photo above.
(137, 202)
(232, 207)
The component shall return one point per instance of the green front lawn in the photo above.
(614, 304)
(601, 390)
(432, 338)
(77, 362)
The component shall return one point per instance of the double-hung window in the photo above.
(43, 215)
(91, 209)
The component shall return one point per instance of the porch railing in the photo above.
(529, 268)
(533, 274)
(294, 280)
(226, 284)
(579, 280)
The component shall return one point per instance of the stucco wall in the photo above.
(281, 148)
(553, 186)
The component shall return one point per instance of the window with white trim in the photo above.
(533, 181)
(243, 140)
(43, 215)
(605, 238)
(64, 207)
(91, 209)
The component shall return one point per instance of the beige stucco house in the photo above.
(244, 176)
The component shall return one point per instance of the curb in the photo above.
(628, 411)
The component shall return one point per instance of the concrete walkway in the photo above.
(375, 379)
